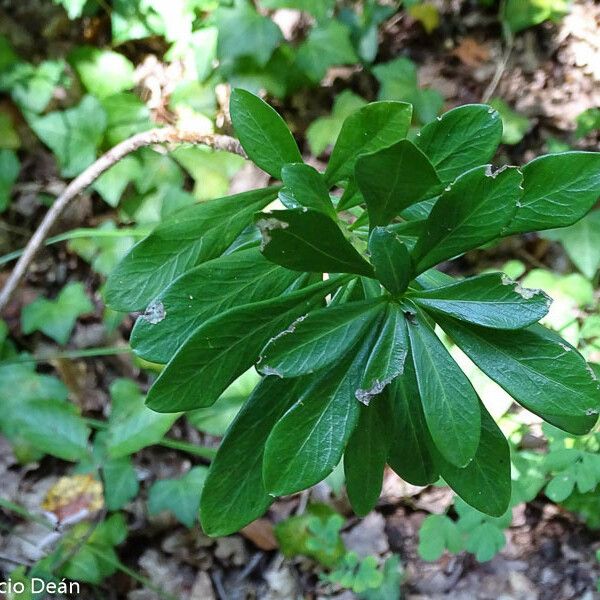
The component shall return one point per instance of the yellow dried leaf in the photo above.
(73, 496)
(427, 14)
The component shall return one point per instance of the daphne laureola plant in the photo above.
(337, 302)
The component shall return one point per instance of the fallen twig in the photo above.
(166, 135)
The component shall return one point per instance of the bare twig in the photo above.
(503, 63)
(166, 135)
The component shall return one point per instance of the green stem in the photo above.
(189, 448)
(69, 354)
(23, 512)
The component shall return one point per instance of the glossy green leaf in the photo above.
(308, 441)
(392, 179)
(450, 404)
(409, 455)
(262, 132)
(472, 211)
(366, 455)
(120, 482)
(226, 346)
(387, 355)
(131, 425)
(74, 135)
(536, 367)
(308, 240)
(491, 300)
(558, 190)
(56, 318)
(204, 292)
(234, 493)
(305, 186)
(461, 139)
(319, 339)
(371, 128)
(485, 482)
(178, 496)
(391, 260)
(191, 236)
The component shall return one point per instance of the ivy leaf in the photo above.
(559, 189)
(73, 135)
(102, 72)
(450, 404)
(305, 186)
(471, 212)
(262, 132)
(387, 356)
(461, 139)
(127, 115)
(581, 242)
(392, 179)
(366, 454)
(536, 367)
(120, 482)
(179, 496)
(319, 339)
(371, 128)
(191, 236)
(485, 482)
(308, 441)
(324, 131)
(111, 184)
(203, 292)
(56, 318)
(234, 493)
(437, 533)
(327, 45)
(226, 346)
(244, 32)
(308, 240)
(9, 171)
(391, 260)
(409, 454)
(491, 300)
(131, 425)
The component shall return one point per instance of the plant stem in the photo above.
(23, 512)
(69, 354)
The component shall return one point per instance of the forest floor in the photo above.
(551, 75)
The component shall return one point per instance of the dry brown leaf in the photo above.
(471, 53)
(260, 533)
(74, 496)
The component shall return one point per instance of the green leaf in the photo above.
(120, 482)
(492, 300)
(102, 72)
(515, 125)
(387, 355)
(9, 137)
(485, 482)
(324, 131)
(317, 8)
(191, 236)
(55, 428)
(392, 179)
(305, 186)
(470, 212)
(234, 493)
(179, 496)
(127, 115)
(561, 486)
(536, 367)
(9, 171)
(485, 541)
(559, 189)
(308, 240)
(391, 260)
(226, 346)
(111, 184)
(308, 441)
(263, 133)
(587, 122)
(245, 32)
(371, 128)
(461, 139)
(450, 404)
(203, 292)
(438, 533)
(73, 135)
(56, 318)
(409, 454)
(366, 455)
(328, 44)
(131, 425)
(581, 242)
(319, 339)
(74, 8)
(519, 15)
